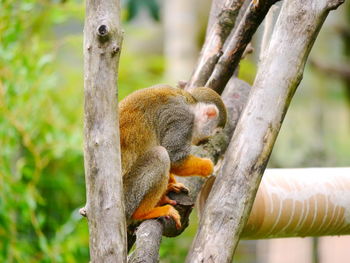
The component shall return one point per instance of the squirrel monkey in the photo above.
(158, 125)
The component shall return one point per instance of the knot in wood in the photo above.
(103, 33)
(226, 17)
(115, 49)
(219, 54)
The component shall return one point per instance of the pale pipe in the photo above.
(301, 202)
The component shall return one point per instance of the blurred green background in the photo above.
(41, 119)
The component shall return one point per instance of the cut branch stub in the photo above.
(103, 33)
(115, 49)
(102, 30)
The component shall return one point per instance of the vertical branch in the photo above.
(230, 201)
(105, 205)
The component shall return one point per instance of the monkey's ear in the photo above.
(211, 111)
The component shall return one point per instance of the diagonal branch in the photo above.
(149, 235)
(234, 49)
(280, 72)
(212, 48)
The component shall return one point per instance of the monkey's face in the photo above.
(205, 122)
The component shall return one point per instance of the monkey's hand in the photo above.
(177, 188)
(193, 165)
(174, 214)
(174, 186)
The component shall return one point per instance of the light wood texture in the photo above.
(105, 205)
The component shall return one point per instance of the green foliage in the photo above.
(247, 71)
(41, 125)
(41, 158)
(137, 72)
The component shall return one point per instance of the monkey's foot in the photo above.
(174, 214)
(166, 200)
(166, 211)
(177, 188)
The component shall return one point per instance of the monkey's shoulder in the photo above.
(156, 96)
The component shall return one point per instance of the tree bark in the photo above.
(212, 48)
(280, 72)
(147, 246)
(105, 205)
(235, 47)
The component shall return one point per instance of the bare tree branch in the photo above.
(105, 203)
(234, 49)
(230, 201)
(268, 29)
(148, 238)
(212, 48)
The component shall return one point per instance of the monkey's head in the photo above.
(210, 114)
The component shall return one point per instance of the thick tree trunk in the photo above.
(105, 205)
(280, 72)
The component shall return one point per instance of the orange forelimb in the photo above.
(193, 165)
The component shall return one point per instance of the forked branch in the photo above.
(236, 45)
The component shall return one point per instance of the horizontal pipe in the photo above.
(301, 202)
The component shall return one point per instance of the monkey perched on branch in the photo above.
(158, 125)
